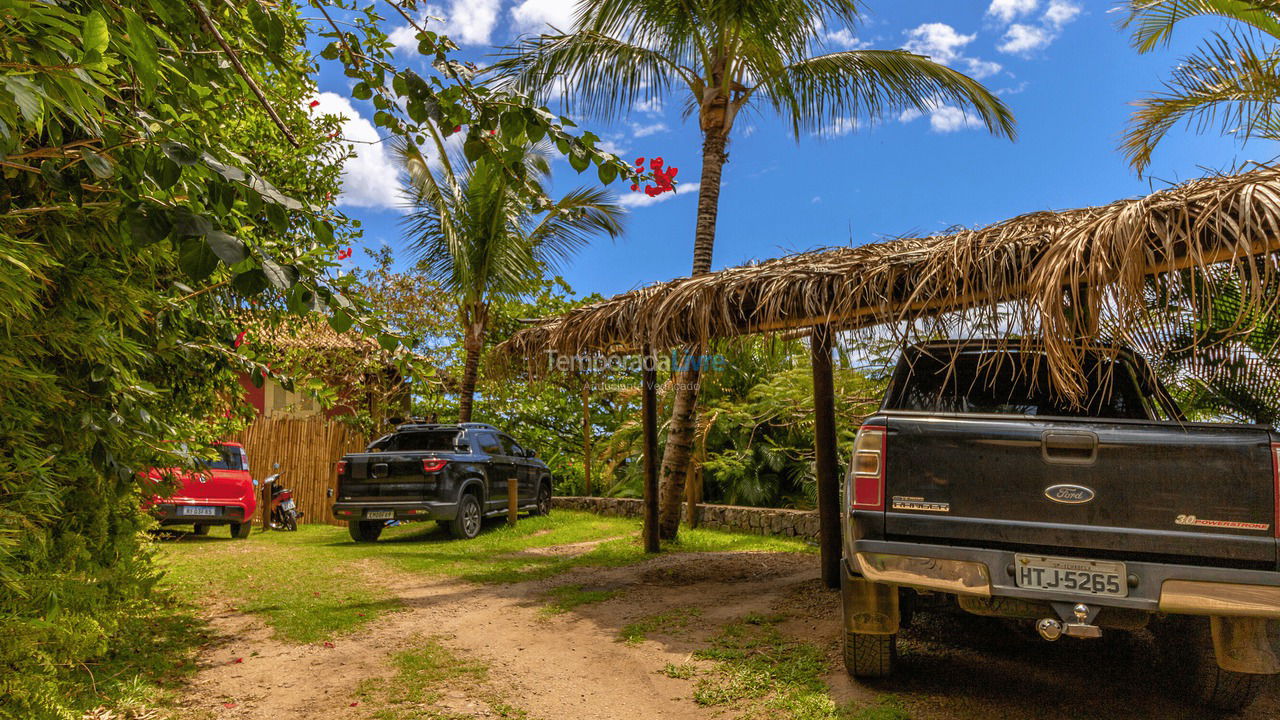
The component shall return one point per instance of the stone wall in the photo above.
(759, 521)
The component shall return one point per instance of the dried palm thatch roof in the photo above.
(1050, 277)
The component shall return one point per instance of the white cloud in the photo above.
(816, 199)
(1021, 39)
(937, 40)
(909, 115)
(466, 22)
(646, 130)
(536, 15)
(841, 127)
(1007, 10)
(370, 178)
(843, 39)
(981, 69)
(652, 106)
(1061, 12)
(950, 119)
(637, 198)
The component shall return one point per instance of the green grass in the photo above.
(770, 675)
(663, 622)
(316, 583)
(568, 597)
(421, 676)
(683, 671)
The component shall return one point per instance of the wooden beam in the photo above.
(824, 445)
(649, 411)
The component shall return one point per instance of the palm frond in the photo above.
(581, 214)
(1228, 83)
(818, 92)
(1153, 21)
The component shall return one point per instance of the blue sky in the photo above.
(1063, 66)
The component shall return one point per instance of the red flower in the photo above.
(635, 187)
(640, 161)
(314, 103)
(457, 128)
(239, 339)
(343, 255)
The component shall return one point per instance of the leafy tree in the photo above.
(726, 57)
(1232, 80)
(475, 235)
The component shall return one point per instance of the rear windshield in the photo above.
(416, 441)
(1012, 383)
(229, 458)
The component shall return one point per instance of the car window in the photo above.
(511, 447)
(230, 457)
(488, 442)
(1011, 383)
(416, 441)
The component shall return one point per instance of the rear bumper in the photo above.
(400, 510)
(168, 513)
(1177, 589)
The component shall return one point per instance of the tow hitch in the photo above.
(1052, 628)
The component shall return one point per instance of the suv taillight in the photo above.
(341, 468)
(866, 473)
(1275, 476)
(433, 465)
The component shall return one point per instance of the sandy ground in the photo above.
(572, 666)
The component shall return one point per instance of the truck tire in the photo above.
(1211, 685)
(543, 506)
(365, 530)
(240, 531)
(870, 656)
(200, 530)
(466, 524)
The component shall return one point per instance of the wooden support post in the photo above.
(824, 445)
(513, 496)
(649, 412)
(586, 433)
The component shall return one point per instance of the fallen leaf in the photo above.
(354, 704)
(228, 705)
(328, 644)
(238, 660)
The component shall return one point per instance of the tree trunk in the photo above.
(472, 342)
(684, 408)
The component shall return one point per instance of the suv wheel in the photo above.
(466, 524)
(870, 656)
(365, 530)
(240, 531)
(544, 500)
(200, 530)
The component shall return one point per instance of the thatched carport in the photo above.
(1050, 277)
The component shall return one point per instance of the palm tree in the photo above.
(727, 57)
(1232, 80)
(476, 236)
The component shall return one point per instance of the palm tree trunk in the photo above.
(684, 408)
(472, 341)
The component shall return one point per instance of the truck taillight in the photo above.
(341, 468)
(1275, 476)
(866, 473)
(433, 465)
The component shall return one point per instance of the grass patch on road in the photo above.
(663, 622)
(761, 671)
(423, 675)
(568, 597)
(316, 583)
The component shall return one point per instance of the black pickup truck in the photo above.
(454, 474)
(976, 485)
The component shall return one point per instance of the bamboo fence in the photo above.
(307, 449)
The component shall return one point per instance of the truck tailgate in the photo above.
(385, 476)
(1203, 493)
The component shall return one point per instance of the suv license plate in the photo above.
(1087, 577)
(198, 510)
(379, 514)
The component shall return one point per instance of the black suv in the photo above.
(454, 474)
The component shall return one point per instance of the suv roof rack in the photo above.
(481, 426)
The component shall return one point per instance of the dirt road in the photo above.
(573, 665)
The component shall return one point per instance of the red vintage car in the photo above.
(221, 493)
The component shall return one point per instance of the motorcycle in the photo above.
(284, 511)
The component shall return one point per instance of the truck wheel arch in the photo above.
(473, 484)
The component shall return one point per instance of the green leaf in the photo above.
(340, 321)
(278, 218)
(361, 91)
(166, 173)
(94, 35)
(512, 123)
(228, 248)
(250, 282)
(322, 230)
(473, 149)
(388, 342)
(148, 228)
(180, 153)
(27, 96)
(579, 160)
(146, 56)
(196, 259)
(280, 277)
(187, 224)
(100, 166)
(300, 300)
(534, 131)
(607, 172)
